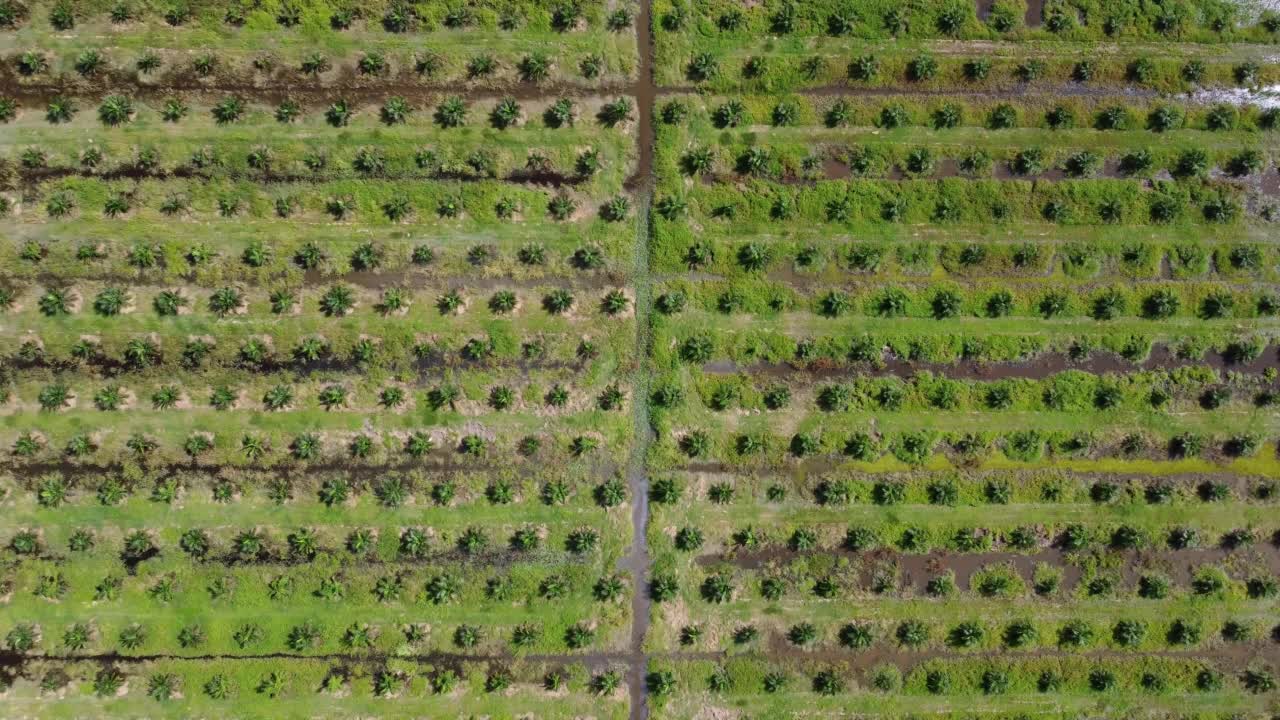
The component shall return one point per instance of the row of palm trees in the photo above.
(336, 301)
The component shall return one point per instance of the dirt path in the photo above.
(637, 561)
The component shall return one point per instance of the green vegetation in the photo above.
(956, 320)
(342, 342)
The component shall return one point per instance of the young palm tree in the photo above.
(225, 301)
(253, 446)
(228, 110)
(163, 686)
(218, 687)
(337, 301)
(165, 397)
(116, 110)
(305, 446)
(304, 544)
(54, 397)
(451, 113)
(168, 303)
(506, 114)
(55, 302)
(107, 682)
(333, 396)
(278, 397)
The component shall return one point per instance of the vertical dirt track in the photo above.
(636, 562)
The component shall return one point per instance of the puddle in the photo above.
(1035, 13)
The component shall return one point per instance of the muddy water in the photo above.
(646, 96)
(1035, 13)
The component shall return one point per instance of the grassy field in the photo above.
(544, 360)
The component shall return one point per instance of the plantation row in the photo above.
(564, 166)
(334, 396)
(1022, 540)
(1079, 627)
(894, 68)
(1179, 392)
(1202, 21)
(944, 68)
(1048, 681)
(295, 687)
(950, 489)
(308, 638)
(336, 301)
(532, 18)
(921, 162)
(1117, 115)
(240, 257)
(370, 67)
(514, 258)
(521, 608)
(974, 635)
(1156, 302)
(870, 348)
(897, 161)
(306, 546)
(377, 202)
(918, 447)
(525, 605)
(391, 489)
(876, 342)
(813, 540)
(267, 163)
(266, 448)
(356, 640)
(228, 115)
(1073, 636)
(999, 588)
(922, 202)
(237, 443)
(251, 350)
(1139, 259)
